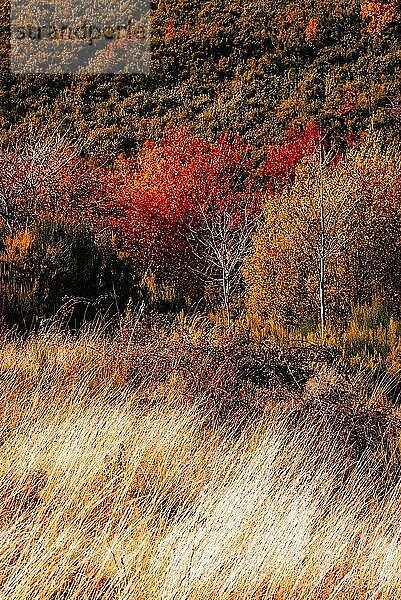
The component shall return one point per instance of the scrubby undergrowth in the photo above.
(192, 465)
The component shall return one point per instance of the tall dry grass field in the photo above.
(116, 486)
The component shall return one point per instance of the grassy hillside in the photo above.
(159, 465)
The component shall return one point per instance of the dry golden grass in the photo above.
(107, 492)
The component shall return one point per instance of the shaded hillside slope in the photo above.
(257, 68)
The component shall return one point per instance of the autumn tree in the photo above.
(335, 233)
(379, 13)
(282, 158)
(156, 200)
(42, 173)
(220, 240)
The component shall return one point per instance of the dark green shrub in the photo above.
(58, 266)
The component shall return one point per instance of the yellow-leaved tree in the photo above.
(331, 241)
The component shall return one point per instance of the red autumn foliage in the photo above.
(311, 30)
(281, 161)
(379, 13)
(156, 199)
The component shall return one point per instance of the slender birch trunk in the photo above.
(322, 251)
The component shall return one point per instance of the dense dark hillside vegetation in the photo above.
(255, 68)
